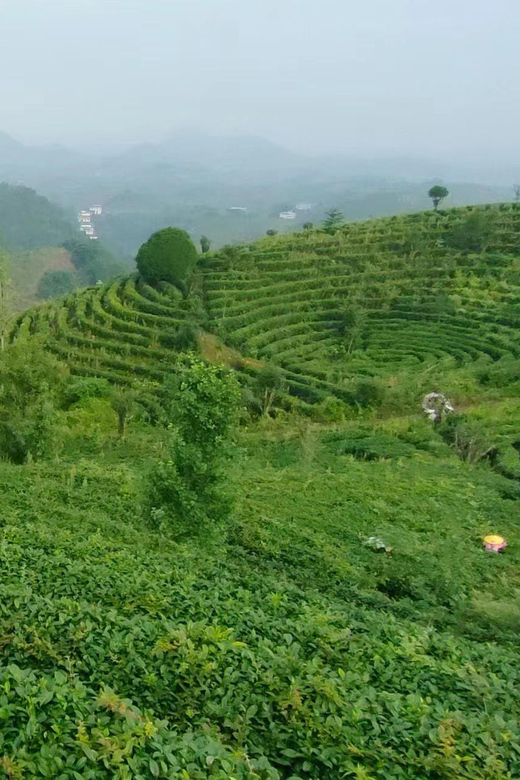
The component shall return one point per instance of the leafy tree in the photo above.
(271, 232)
(188, 491)
(437, 194)
(308, 225)
(269, 382)
(205, 244)
(333, 221)
(54, 284)
(30, 385)
(168, 256)
(123, 403)
(516, 188)
(350, 325)
(6, 296)
(92, 261)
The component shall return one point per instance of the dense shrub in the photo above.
(30, 385)
(168, 256)
(92, 261)
(472, 233)
(81, 389)
(188, 492)
(369, 393)
(330, 410)
(55, 283)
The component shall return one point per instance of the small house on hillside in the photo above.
(96, 210)
(84, 217)
(287, 215)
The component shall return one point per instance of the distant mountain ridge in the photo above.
(192, 179)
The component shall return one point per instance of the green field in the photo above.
(278, 645)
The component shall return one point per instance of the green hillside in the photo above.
(275, 640)
(30, 221)
(378, 300)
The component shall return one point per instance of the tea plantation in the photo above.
(279, 644)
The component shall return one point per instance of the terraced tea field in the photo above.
(376, 299)
(268, 637)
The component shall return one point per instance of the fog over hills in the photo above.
(246, 155)
(194, 179)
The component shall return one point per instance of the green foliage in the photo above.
(289, 649)
(81, 389)
(271, 232)
(382, 301)
(374, 447)
(188, 491)
(308, 225)
(472, 233)
(30, 221)
(293, 650)
(333, 221)
(54, 284)
(437, 194)
(30, 384)
(469, 440)
(124, 404)
(269, 382)
(91, 260)
(168, 256)
(330, 410)
(369, 393)
(205, 244)
(185, 340)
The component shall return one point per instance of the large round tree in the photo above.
(168, 256)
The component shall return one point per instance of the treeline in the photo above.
(92, 261)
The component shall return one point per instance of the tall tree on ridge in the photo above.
(437, 195)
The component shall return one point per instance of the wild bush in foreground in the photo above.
(30, 382)
(189, 489)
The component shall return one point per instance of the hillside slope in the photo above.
(282, 645)
(380, 300)
(30, 221)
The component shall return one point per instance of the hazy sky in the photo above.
(423, 77)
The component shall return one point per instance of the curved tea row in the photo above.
(373, 299)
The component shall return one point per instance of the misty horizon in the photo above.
(99, 147)
(407, 79)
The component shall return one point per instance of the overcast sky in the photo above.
(424, 77)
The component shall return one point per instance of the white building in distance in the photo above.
(304, 207)
(96, 210)
(287, 215)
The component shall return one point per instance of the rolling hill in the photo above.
(346, 621)
(378, 300)
(30, 221)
